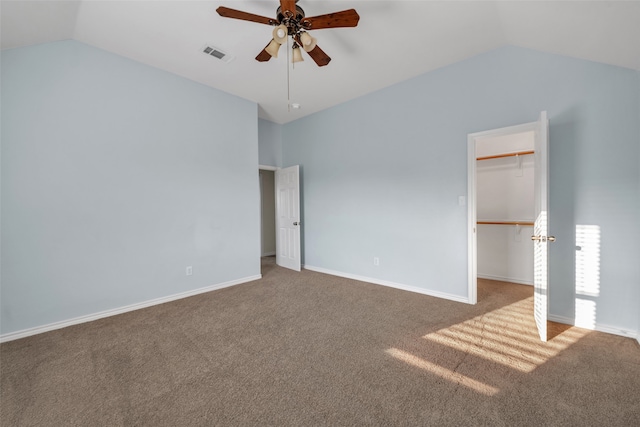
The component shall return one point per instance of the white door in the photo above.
(540, 228)
(288, 217)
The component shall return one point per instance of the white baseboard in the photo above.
(269, 254)
(437, 294)
(107, 313)
(505, 279)
(598, 327)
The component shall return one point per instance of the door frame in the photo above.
(472, 215)
(270, 169)
(265, 168)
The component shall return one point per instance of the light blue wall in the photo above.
(269, 143)
(381, 174)
(115, 177)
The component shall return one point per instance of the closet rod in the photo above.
(520, 223)
(497, 156)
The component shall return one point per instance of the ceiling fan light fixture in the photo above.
(297, 55)
(280, 34)
(308, 42)
(273, 48)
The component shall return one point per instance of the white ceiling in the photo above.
(394, 41)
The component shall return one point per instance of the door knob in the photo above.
(543, 238)
(296, 223)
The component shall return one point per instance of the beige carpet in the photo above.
(307, 349)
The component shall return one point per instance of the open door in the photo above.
(540, 228)
(540, 237)
(288, 217)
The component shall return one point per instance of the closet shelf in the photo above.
(497, 156)
(520, 223)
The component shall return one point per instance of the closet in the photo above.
(505, 207)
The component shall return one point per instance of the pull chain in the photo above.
(288, 80)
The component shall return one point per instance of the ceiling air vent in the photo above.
(217, 53)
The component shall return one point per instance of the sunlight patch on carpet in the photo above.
(442, 372)
(506, 336)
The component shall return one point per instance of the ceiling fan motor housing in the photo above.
(293, 23)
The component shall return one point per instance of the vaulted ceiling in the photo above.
(394, 41)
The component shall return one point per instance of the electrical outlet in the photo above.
(189, 270)
(376, 261)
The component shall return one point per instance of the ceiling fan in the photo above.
(291, 21)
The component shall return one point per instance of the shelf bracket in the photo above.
(518, 165)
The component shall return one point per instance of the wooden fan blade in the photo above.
(264, 55)
(316, 54)
(289, 5)
(319, 56)
(346, 18)
(245, 16)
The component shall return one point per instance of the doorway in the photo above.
(540, 237)
(267, 213)
(501, 205)
(280, 222)
(505, 207)
(266, 180)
